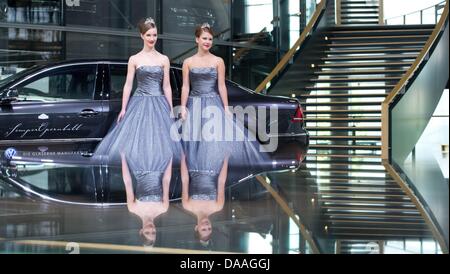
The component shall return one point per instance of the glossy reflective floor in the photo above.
(285, 205)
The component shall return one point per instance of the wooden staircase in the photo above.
(341, 82)
(359, 12)
(344, 80)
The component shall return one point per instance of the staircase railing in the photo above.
(421, 14)
(381, 12)
(242, 51)
(406, 113)
(409, 78)
(290, 54)
(304, 231)
(437, 234)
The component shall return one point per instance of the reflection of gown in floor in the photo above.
(204, 162)
(204, 96)
(146, 127)
(148, 176)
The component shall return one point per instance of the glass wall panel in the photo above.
(254, 22)
(181, 17)
(114, 14)
(27, 47)
(101, 46)
(251, 66)
(31, 12)
(251, 35)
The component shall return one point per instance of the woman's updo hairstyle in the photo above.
(145, 24)
(205, 27)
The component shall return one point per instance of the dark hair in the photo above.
(145, 24)
(205, 243)
(145, 241)
(203, 28)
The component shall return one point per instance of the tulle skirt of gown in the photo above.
(148, 176)
(144, 131)
(224, 134)
(204, 160)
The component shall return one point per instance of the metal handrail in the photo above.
(416, 201)
(288, 56)
(250, 42)
(436, 7)
(381, 12)
(304, 231)
(401, 85)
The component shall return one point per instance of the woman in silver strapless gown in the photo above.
(144, 125)
(205, 111)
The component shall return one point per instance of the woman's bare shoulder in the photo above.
(188, 60)
(133, 60)
(163, 58)
(218, 60)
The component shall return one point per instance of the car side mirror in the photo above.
(8, 96)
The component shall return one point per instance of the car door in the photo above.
(116, 78)
(59, 103)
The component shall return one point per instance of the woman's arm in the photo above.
(221, 83)
(185, 183)
(166, 184)
(166, 82)
(128, 183)
(127, 87)
(185, 89)
(221, 184)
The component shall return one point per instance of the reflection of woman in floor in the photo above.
(150, 198)
(203, 193)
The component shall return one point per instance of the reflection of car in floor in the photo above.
(79, 100)
(67, 173)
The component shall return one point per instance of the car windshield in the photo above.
(10, 79)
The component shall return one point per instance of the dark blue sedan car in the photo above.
(77, 101)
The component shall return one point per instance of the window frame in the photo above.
(48, 71)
